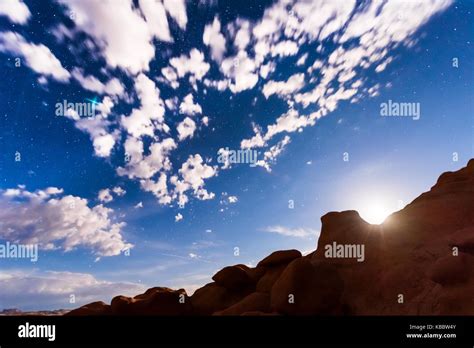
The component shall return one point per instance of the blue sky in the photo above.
(135, 197)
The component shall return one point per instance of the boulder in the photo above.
(451, 270)
(234, 277)
(155, 301)
(279, 257)
(213, 297)
(94, 308)
(307, 289)
(269, 278)
(255, 302)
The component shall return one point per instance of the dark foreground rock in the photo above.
(420, 261)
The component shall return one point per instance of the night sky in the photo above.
(134, 196)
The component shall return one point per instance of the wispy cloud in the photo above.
(44, 290)
(292, 232)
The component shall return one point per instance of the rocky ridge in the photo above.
(418, 262)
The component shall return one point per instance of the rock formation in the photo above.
(420, 261)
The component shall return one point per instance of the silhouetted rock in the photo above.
(451, 270)
(233, 277)
(279, 257)
(255, 302)
(155, 301)
(94, 308)
(269, 278)
(305, 288)
(213, 297)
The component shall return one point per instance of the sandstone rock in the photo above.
(306, 289)
(256, 273)
(120, 305)
(464, 240)
(213, 297)
(451, 270)
(269, 278)
(155, 301)
(94, 308)
(255, 302)
(232, 277)
(279, 257)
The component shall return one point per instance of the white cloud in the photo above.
(91, 83)
(103, 145)
(155, 16)
(15, 10)
(266, 69)
(269, 156)
(53, 221)
(205, 120)
(186, 129)
(213, 38)
(220, 85)
(302, 60)
(123, 35)
(292, 232)
(138, 205)
(241, 71)
(177, 10)
(282, 88)
(159, 188)
(144, 167)
(97, 128)
(256, 141)
(193, 64)
(242, 38)
(38, 57)
(384, 23)
(40, 290)
(188, 107)
(193, 173)
(178, 217)
(119, 191)
(289, 122)
(172, 103)
(232, 199)
(105, 196)
(170, 75)
(223, 156)
(150, 116)
(284, 49)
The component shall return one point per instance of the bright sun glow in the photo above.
(375, 213)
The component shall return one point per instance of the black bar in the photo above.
(241, 330)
